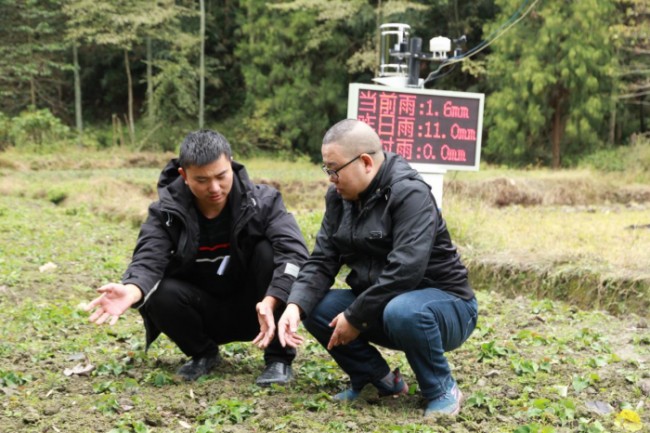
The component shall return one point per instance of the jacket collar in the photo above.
(375, 183)
(393, 169)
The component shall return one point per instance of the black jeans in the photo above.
(199, 322)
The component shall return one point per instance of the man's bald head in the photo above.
(355, 137)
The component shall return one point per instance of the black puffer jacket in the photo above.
(393, 240)
(169, 238)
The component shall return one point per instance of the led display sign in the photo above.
(434, 130)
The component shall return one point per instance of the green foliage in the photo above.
(562, 411)
(582, 382)
(482, 400)
(159, 378)
(107, 404)
(124, 25)
(528, 367)
(293, 62)
(5, 130)
(128, 425)
(31, 55)
(174, 60)
(534, 428)
(233, 411)
(118, 23)
(317, 403)
(108, 386)
(530, 336)
(13, 378)
(551, 100)
(631, 34)
(111, 368)
(175, 89)
(319, 371)
(491, 350)
(38, 130)
(590, 426)
(631, 158)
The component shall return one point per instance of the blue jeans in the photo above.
(423, 323)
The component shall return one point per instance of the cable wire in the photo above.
(485, 43)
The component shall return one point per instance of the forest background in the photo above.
(564, 81)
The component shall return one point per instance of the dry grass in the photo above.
(572, 235)
(82, 159)
(575, 187)
(601, 238)
(534, 231)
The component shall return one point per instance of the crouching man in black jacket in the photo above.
(214, 261)
(409, 288)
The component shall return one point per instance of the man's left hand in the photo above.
(343, 333)
(265, 310)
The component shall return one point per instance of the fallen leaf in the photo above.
(184, 424)
(49, 266)
(81, 369)
(629, 420)
(599, 407)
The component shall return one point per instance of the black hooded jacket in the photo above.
(393, 239)
(169, 238)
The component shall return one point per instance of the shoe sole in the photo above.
(268, 384)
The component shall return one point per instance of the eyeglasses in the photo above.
(334, 174)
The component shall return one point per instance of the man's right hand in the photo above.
(114, 300)
(288, 327)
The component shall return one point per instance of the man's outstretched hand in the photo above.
(265, 310)
(288, 327)
(114, 300)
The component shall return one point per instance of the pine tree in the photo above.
(552, 76)
(32, 55)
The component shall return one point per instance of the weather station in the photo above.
(434, 130)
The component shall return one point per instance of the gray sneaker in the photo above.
(446, 404)
(275, 373)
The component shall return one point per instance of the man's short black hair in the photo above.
(203, 147)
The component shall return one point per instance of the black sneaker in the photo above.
(275, 373)
(198, 366)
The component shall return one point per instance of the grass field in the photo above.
(535, 364)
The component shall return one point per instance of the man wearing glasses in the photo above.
(409, 288)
